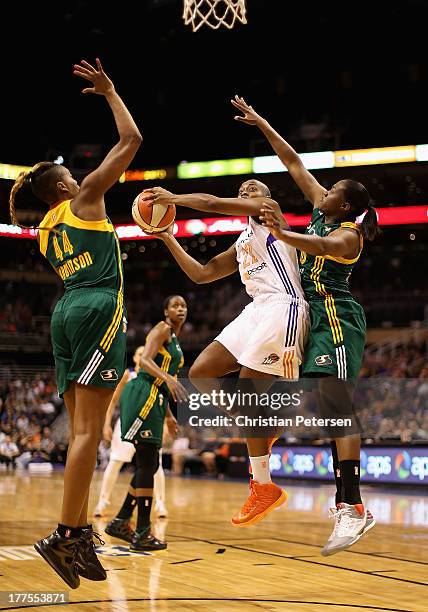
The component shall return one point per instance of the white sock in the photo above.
(260, 469)
(109, 479)
(159, 482)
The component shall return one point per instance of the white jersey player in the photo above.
(267, 339)
(122, 452)
(269, 335)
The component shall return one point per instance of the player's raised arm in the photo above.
(289, 157)
(218, 267)
(343, 242)
(205, 202)
(89, 203)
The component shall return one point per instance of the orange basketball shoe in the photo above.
(263, 499)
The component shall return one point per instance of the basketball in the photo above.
(152, 219)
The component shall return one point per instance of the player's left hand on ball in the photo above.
(157, 194)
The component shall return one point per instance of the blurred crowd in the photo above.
(28, 409)
(392, 396)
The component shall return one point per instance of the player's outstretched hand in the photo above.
(273, 220)
(158, 195)
(249, 115)
(102, 85)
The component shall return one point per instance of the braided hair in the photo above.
(38, 182)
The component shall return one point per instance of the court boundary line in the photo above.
(305, 560)
(217, 599)
(354, 552)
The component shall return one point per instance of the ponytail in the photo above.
(357, 196)
(21, 184)
(369, 225)
(39, 183)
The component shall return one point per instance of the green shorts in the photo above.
(88, 332)
(142, 412)
(336, 340)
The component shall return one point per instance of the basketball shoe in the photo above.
(351, 522)
(144, 540)
(88, 564)
(120, 528)
(263, 499)
(61, 554)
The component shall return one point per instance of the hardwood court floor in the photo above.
(214, 567)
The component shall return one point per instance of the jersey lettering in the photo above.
(67, 246)
(249, 257)
(73, 265)
(58, 253)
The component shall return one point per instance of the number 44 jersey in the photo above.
(83, 253)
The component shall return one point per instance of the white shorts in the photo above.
(120, 450)
(269, 337)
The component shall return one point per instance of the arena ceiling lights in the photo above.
(220, 226)
(265, 164)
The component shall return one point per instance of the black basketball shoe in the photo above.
(61, 554)
(144, 540)
(120, 528)
(88, 564)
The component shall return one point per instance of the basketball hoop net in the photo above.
(213, 13)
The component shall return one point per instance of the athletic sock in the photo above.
(260, 469)
(350, 470)
(69, 532)
(144, 508)
(337, 472)
(130, 502)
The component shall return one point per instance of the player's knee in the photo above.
(200, 369)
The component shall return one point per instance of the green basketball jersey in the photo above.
(327, 275)
(169, 358)
(151, 391)
(83, 253)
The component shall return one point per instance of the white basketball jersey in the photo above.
(132, 374)
(268, 267)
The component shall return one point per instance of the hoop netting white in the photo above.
(213, 13)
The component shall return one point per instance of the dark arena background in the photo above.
(346, 85)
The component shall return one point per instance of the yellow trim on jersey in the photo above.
(315, 274)
(63, 214)
(150, 401)
(165, 364)
(333, 319)
(343, 260)
(111, 332)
